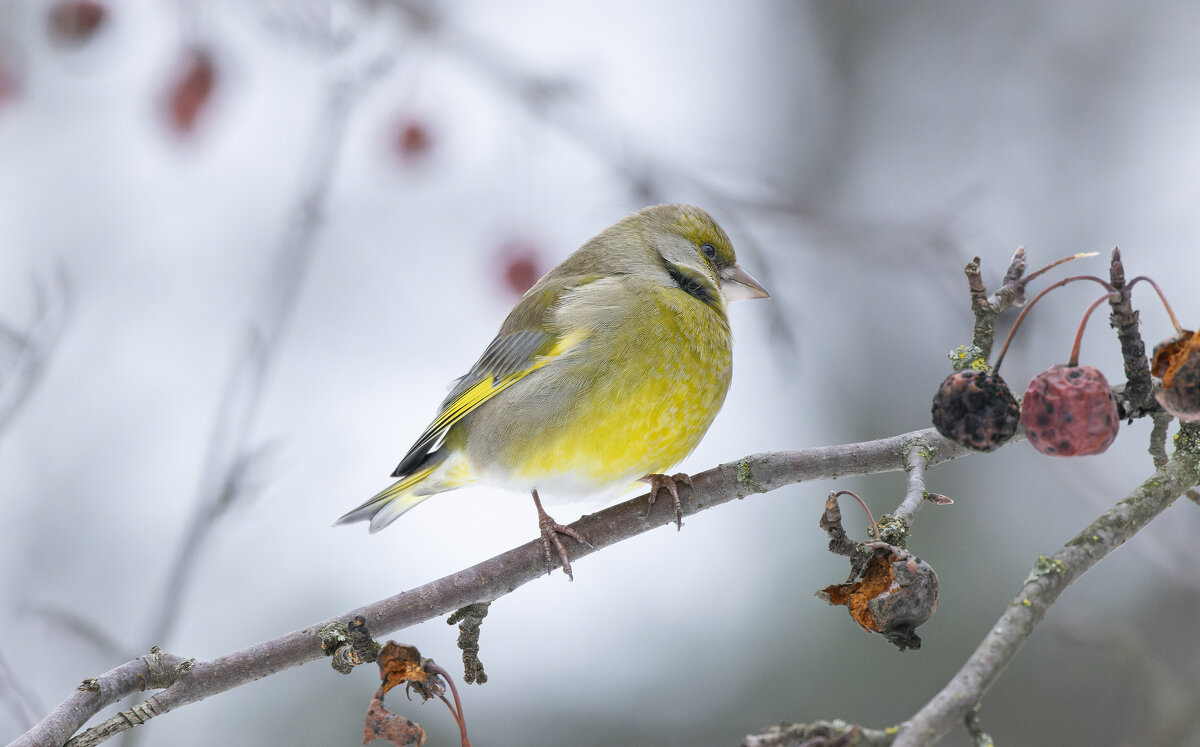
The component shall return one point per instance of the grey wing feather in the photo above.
(506, 354)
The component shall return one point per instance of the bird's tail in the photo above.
(432, 477)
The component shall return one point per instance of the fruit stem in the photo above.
(456, 709)
(1161, 297)
(852, 494)
(1038, 297)
(1074, 360)
(1025, 280)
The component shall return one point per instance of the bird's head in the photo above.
(697, 253)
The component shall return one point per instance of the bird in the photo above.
(607, 372)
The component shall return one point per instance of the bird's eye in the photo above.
(709, 250)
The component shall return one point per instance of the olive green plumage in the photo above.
(610, 368)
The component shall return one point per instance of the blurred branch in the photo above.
(502, 574)
(230, 456)
(84, 629)
(554, 102)
(20, 702)
(1170, 710)
(23, 355)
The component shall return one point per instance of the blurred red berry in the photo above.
(1177, 363)
(975, 409)
(76, 21)
(190, 92)
(9, 86)
(412, 139)
(1070, 411)
(521, 265)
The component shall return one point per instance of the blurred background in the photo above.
(244, 246)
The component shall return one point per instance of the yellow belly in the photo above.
(632, 403)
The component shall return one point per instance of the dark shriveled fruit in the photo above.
(975, 409)
(1070, 411)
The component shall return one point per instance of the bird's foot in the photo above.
(550, 530)
(670, 483)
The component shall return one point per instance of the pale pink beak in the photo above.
(738, 285)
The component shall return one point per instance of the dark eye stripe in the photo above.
(692, 285)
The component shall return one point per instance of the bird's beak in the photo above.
(737, 285)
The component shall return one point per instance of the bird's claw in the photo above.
(670, 483)
(550, 529)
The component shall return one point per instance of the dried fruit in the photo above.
(1177, 363)
(1070, 411)
(975, 409)
(898, 592)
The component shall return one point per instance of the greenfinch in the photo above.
(608, 371)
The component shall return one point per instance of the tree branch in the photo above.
(155, 670)
(496, 577)
(1050, 577)
(958, 701)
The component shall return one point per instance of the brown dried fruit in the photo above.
(1070, 411)
(381, 723)
(1177, 363)
(898, 592)
(975, 409)
(400, 663)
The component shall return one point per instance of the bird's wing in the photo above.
(527, 342)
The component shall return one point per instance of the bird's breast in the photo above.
(635, 398)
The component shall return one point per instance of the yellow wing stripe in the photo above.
(403, 486)
(489, 387)
(399, 491)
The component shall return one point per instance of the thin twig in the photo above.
(20, 702)
(986, 308)
(83, 628)
(1137, 397)
(30, 350)
(1158, 436)
(915, 458)
(867, 509)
